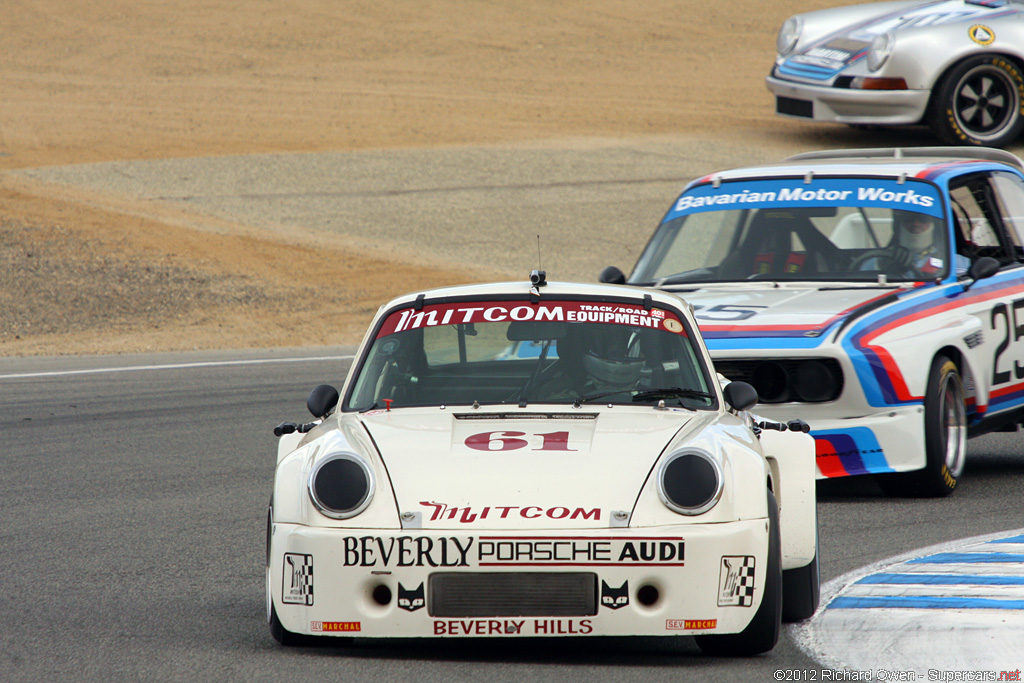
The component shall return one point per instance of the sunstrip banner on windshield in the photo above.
(909, 195)
(477, 312)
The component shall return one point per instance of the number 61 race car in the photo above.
(531, 459)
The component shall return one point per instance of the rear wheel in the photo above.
(979, 103)
(762, 632)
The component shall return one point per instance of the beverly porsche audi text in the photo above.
(532, 459)
(956, 65)
(879, 293)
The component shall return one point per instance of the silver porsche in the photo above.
(954, 65)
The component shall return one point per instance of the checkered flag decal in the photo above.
(736, 581)
(298, 579)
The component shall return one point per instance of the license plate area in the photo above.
(512, 594)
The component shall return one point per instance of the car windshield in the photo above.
(523, 353)
(846, 229)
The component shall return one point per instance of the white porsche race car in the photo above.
(955, 65)
(530, 459)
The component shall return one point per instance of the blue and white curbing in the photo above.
(953, 611)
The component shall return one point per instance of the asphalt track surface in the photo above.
(135, 488)
(132, 523)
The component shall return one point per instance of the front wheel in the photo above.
(762, 632)
(945, 437)
(979, 103)
(801, 591)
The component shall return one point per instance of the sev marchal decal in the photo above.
(335, 626)
(690, 624)
(736, 581)
(297, 579)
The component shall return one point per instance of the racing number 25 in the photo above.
(510, 441)
(1012, 318)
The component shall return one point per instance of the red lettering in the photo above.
(555, 441)
(523, 513)
(507, 442)
(558, 513)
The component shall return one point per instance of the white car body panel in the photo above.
(548, 488)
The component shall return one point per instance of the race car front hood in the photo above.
(802, 312)
(537, 467)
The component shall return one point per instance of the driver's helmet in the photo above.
(609, 358)
(914, 231)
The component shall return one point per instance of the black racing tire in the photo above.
(978, 102)
(801, 592)
(762, 633)
(945, 437)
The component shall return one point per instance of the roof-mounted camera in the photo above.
(538, 278)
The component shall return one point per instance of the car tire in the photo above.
(979, 102)
(945, 437)
(801, 592)
(762, 633)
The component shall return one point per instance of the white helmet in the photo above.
(614, 371)
(914, 230)
(608, 360)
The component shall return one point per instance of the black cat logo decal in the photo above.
(410, 600)
(615, 597)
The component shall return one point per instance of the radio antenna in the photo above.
(540, 266)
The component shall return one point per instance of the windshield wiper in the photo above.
(671, 392)
(580, 400)
(682, 277)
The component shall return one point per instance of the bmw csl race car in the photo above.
(878, 293)
(457, 488)
(955, 65)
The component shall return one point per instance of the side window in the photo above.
(975, 220)
(1009, 190)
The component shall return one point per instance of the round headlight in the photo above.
(815, 381)
(881, 48)
(341, 485)
(788, 36)
(690, 482)
(771, 381)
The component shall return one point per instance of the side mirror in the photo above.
(740, 395)
(321, 400)
(612, 276)
(984, 267)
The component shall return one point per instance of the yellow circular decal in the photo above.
(673, 325)
(982, 35)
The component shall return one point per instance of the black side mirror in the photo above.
(984, 267)
(612, 276)
(740, 395)
(321, 400)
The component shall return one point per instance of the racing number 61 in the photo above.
(510, 441)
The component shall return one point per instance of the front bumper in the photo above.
(848, 105)
(889, 440)
(664, 581)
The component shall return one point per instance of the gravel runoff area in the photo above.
(105, 267)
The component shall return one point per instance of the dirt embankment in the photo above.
(116, 79)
